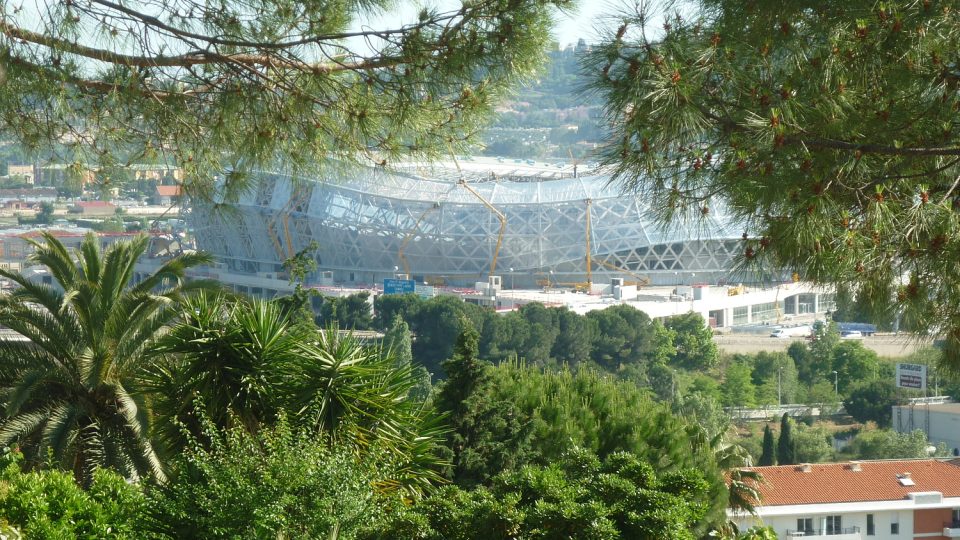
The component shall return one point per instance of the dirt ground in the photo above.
(884, 345)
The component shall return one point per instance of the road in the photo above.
(884, 345)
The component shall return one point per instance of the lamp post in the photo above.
(511, 278)
(836, 394)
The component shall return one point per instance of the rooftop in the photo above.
(168, 191)
(859, 481)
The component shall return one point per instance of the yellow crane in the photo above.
(589, 203)
(496, 212)
(410, 235)
(642, 281)
(299, 196)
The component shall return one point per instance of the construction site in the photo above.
(458, 224)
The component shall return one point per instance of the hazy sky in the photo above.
(570, 26)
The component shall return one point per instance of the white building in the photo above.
(940, 421)
(885, 500)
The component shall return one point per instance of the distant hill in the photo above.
(551, 118)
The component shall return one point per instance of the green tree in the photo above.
(299, 267)
(801, 356)
(785, 446)
(542, 335)
(872, 401)
(693, 340)
(853, 363)
(278, 483)
(575, 336)
(826, 337)
(487, 433)
(625, 335)
(351, 312)
(737, 387)
(829, 131)
(221, 361)
(888, 444)
(775, 376)
(768, 457)
(356, 395)
(50, 504)
(225, 92)
(577, 497)
(74, 391)
(45, 214)
(811, 444)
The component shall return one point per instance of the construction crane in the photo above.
(299, 196)
(642, 281)
(410, 235)
(492, 208)
(496, 212)
(589, 203)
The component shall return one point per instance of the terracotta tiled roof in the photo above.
(168, 191)
(840, 482)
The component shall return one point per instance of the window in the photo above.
(871, 528)
(955, 518)
(894, 527)
(833, 525)
(805, 525)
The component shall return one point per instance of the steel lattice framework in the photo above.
(442, 223)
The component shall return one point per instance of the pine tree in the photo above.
(769, 447)
(224, 91)
(785, 450)
(397, 341)
(828, 129)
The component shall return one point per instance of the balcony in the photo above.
(952, 529)
(846, 533)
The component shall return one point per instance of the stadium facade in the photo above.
(457, 226)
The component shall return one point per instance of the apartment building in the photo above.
(865, 500)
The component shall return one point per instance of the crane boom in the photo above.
(641, 280)
(589, 262)
(410, 235)
(500, 216)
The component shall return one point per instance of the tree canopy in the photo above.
(233, 85)
(828, 129)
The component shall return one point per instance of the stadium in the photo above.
(459, 224)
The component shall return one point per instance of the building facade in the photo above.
(532, 227)
(882, 500)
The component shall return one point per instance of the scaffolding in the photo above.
(448, 225)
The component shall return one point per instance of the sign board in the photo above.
(399, 286)
(425, 291)
(912, 376)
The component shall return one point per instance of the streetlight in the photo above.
(836, 394)
(511, 278)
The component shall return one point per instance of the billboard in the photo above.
(399, 286)
(913, 376)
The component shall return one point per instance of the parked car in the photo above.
(851, 334)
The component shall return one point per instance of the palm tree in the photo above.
(358, 395)
(71, 391)
(231, 363)
(219, 364)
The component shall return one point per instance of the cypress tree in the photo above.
(767, 458)
(785, 451)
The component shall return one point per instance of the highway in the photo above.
(884, 345)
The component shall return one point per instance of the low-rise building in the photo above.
(883, 500)
(166, 195)
(94, 208)
(940, 421)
